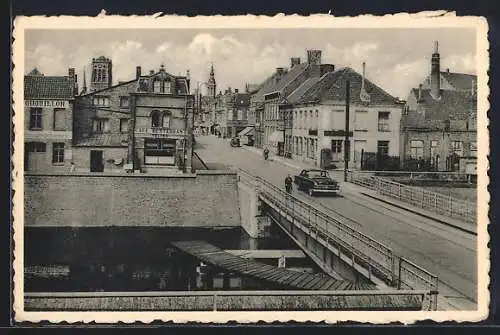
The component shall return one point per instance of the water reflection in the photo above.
(135, 259)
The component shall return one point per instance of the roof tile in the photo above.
(42, 87)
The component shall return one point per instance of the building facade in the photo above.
(48, 121)
(438, 130)
(145, 124)
(317, 118)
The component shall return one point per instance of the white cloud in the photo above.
(48, 59)
(238, 61)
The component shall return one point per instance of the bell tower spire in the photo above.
(211, 84)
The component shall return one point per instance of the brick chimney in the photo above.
(435, 73)
(73, 80)
(294, 61)
(325, 68)
(314, 61)
(138, 72)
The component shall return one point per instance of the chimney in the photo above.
(314, 61)
(137, 72)
(314, 57)
(280, 71)
(448, 70)
(435, 73)
(72, 80)
(420, 92)
(325, 68)
(151, 72)
(236, 90)
(294, 61)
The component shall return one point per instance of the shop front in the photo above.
(162, 147)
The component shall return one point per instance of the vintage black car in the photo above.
(235, 142)
(316, 181)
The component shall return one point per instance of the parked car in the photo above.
(316, 181)
(235, 142)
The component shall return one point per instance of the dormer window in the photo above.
(157, 86)
(168, 87)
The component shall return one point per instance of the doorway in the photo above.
(96, 161)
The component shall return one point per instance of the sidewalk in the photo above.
(357, 190)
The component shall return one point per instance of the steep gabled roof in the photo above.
(286, 78)
(452, 105)
(299, 91)
(45, 87)
(264, 87)
(332, 86)
(460, 81)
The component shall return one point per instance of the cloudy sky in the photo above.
(396, 59)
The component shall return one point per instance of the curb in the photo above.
(465, 230)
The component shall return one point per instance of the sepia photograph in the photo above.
(204, 169)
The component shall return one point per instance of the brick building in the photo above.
(438, 129)
(48, 121)
(142, 124)
(272, 96)
(316, 111)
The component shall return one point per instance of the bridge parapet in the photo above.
(372, 256)
(417, 196)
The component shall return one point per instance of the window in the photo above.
(383, 148)
(383, 121)
(101, 101)
(57, 153)
(434, 148)
(36, 147)
(59, 119)
(416, 149)
(166, 120)
(168, 87)
(155, 119)
(337, 150)
(123, 125)
(336, 146)
(124, 102)
(100, 126)
(157, 86)
(473, 149)
(361, 120)
(458, 148)
(35, 118)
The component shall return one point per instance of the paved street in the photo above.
(442, 250)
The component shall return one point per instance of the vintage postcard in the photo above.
(251, 168)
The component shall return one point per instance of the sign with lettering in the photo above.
(46, 103)
(160, 132)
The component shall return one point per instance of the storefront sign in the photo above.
(160, 132)
(46, 103)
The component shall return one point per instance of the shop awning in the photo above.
(246, 132)
(276, 136)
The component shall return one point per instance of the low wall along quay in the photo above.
(204, 199)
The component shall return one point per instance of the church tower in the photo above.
(211, 85)
(101, 76)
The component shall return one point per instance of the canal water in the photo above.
(138, 259)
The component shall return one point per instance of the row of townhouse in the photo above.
(300, 113)
(144, 124)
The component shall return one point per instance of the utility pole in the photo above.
(346, 138)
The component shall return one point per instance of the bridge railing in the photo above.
(418, 197)
(374, 255)
(380, 258)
